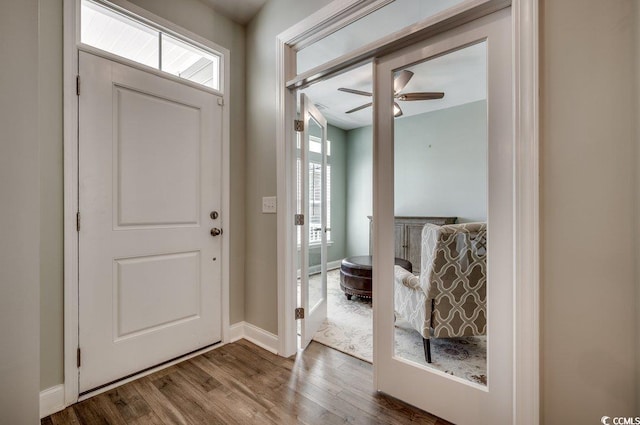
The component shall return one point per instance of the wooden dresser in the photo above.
(408, 243)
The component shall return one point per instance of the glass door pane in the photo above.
(443, 199)
(441, 148)
(312, 186)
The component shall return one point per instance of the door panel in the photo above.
(155, 291)
(440, 389)
(313, 194)
(158, 180)
(149, 176)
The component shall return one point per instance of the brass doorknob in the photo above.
(215, 231)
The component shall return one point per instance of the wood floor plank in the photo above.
(97, 411)
(241, 383)
(198, 377)
(65, 417)
(129, 403)
(183, 397)
(165, 410)
(46, 421)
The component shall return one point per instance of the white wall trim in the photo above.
(331, 265)
(236, 332)
(70, 101)
(51, 400)
(255, 335)
(526, 303)
(71, 40)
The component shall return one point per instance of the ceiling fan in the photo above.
(399, 82)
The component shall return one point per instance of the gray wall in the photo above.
(440, 169)
(51, 199)
(192, 15)
(19, 214)
(589, 165)
(261, 288)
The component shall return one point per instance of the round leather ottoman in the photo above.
(355, 275)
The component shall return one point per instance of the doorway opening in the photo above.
(389, 49)
(440, 178)
(334, 177)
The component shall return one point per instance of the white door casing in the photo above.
(150, 174)
(429, 389)
(314, 305)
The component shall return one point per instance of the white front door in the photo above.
(149, 181)
(312, 169)
(475, 59)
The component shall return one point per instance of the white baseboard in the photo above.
(254, 334)
(331, 265)
(51, 400)
(236, 331)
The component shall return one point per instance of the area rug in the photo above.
(349, 328)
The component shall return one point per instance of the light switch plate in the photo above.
(269, 205)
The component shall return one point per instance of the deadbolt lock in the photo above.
(213, 215)
(215, 231)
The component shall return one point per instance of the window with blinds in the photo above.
(315, 192)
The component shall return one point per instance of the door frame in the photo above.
(71, 48)
(525, 45)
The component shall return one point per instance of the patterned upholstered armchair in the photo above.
(449, 298)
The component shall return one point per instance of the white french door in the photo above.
(415, 381)
(312, 205)
(149, 240)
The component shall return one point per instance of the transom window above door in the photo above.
(124, 35)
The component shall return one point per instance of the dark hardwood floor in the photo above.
(241, 383)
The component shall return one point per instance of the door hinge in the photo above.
(299, 125)
(299, 313)
(79, 357)
(78, 221)
(77, 85)
(299, 219)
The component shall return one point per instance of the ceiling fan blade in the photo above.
(401, 80)
(366, 105)
(360, 92)
(420, 96)
(397, 111)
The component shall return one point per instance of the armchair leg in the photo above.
(426, 342)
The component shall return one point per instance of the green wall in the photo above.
(359, 189)
(440, 169)
(338, 161)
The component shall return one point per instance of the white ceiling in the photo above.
(240, 11)
(461, 75)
